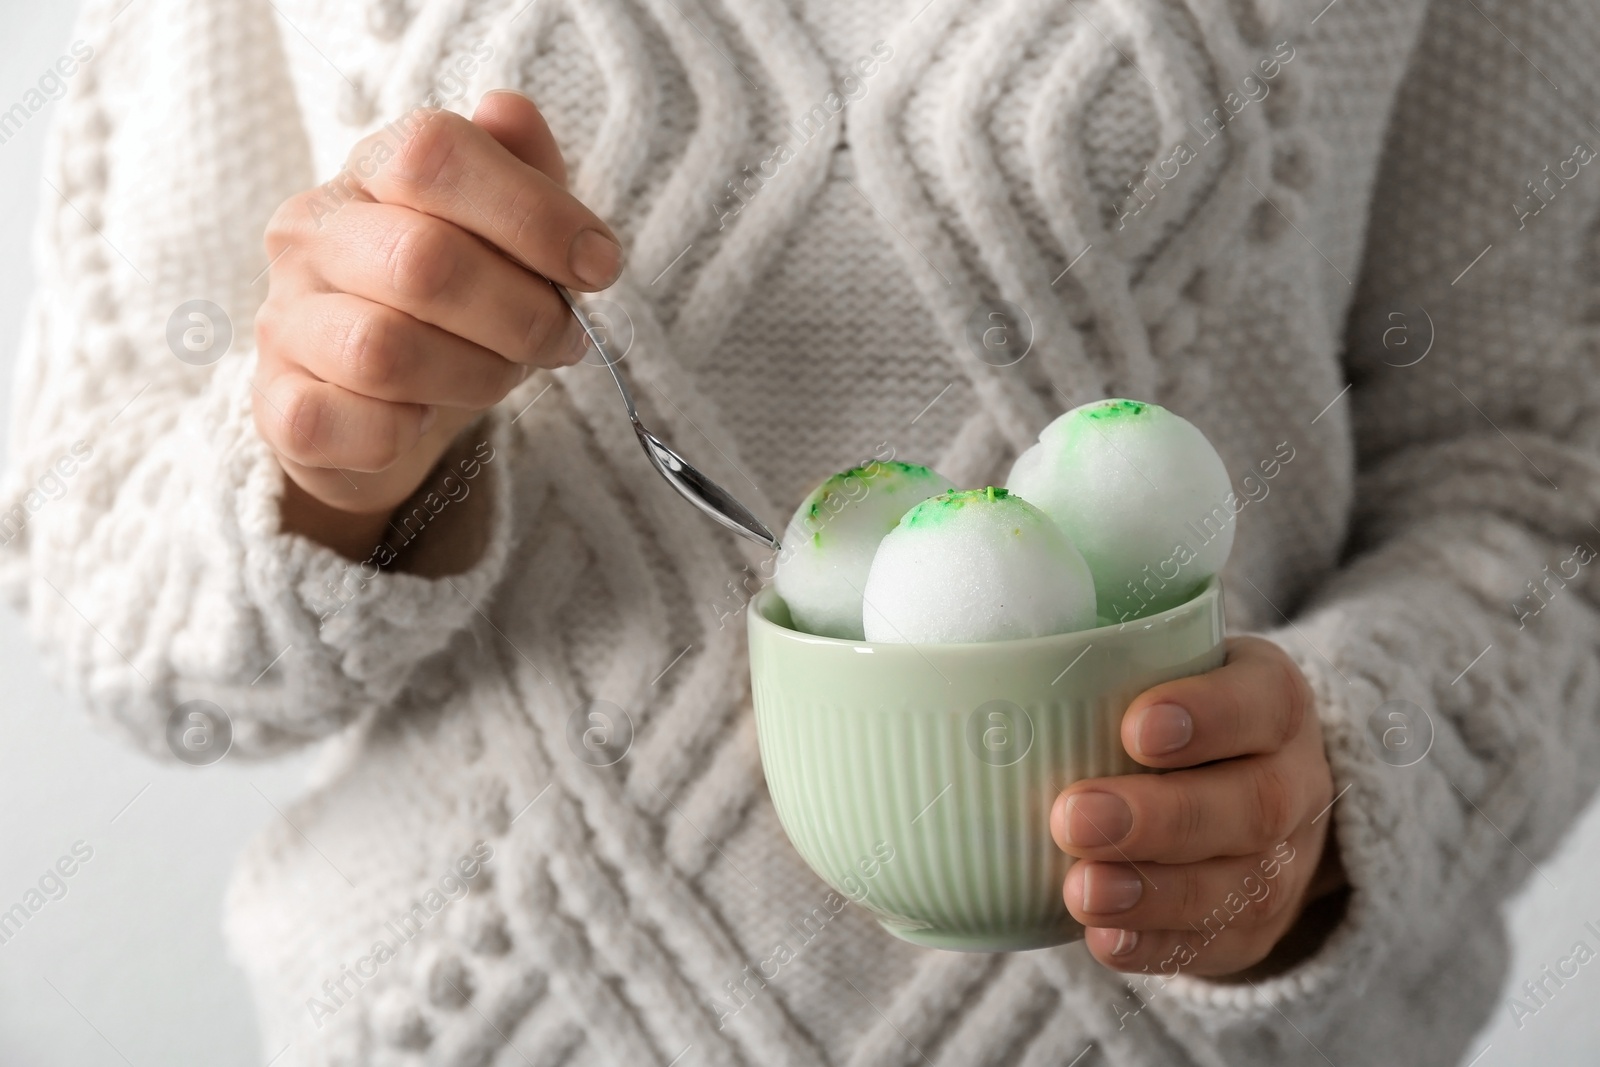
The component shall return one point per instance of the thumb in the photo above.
(513, 120)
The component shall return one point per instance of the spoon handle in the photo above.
(600, 347)
(679, 473)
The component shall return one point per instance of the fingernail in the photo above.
(1096, 819)
(429, 414)
(1109, 887)
(1163, 729)
(1127, 941)
(595, 258)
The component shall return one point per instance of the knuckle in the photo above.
(300, 417)
(1298, 702)
(495, 383)
(545, 338)
(267, 329)
(292, 222)
(1241, 694)
(367, 350)
(427, 149)
(288, 212)
(418, 259)
(293, 213)
(527, 216)
(397, 437)
(1236, 725)
(378, 446)
(1189, 893)
(279, 231)
(1271, 906)
(365, 161)
(384, 451)
(402, 438)
(1187, 817)
(1274, 806)
(266, 419)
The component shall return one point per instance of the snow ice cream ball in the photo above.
(828, 546)
(1142, 494)
(976, 565)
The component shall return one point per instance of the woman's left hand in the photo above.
(1203, 870)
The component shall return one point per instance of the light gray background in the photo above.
(129, 967)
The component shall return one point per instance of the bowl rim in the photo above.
(1201, 600)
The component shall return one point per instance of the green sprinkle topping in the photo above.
(846, 487)
(1115, 409)
(867, 473)
(1091, 422)
(934, 510)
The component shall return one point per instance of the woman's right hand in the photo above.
(407, 296)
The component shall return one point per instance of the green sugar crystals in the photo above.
(1115, 409)
(854, 483)
(937, 509)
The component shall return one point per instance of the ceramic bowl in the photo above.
(946, 759)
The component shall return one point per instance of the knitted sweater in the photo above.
(1359, 237)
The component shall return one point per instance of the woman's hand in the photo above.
(408, 295)
(1203, 870)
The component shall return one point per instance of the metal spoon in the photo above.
(693, 486)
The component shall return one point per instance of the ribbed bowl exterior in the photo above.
(918, 780)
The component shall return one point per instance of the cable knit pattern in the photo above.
(1002, 151)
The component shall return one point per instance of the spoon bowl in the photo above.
(679, 473)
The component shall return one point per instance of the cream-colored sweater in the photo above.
(1306, 230)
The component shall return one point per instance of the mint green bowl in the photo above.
(917, 780)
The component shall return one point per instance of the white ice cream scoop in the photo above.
(829, 543)
(976, 565)
(1142, 494)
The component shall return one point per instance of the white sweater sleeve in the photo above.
(139, 515)
(1471, 586)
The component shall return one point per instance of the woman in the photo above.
(377, 495)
